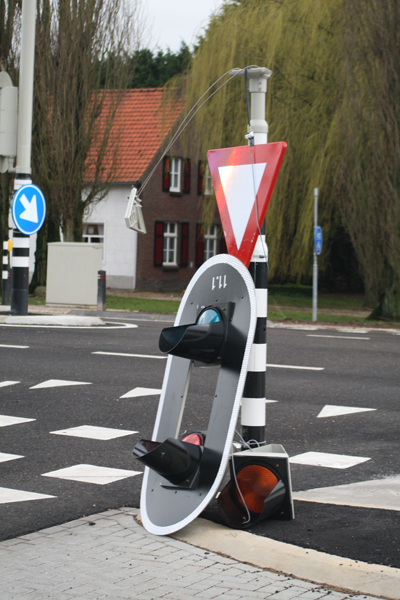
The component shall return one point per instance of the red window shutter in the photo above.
(200, 177)
(158, 243)
(184, 244)
(222, 243)
(166, 174)
(186, 176)
(199, 245)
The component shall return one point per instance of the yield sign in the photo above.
(241, 175)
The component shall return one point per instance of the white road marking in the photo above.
(11, 346)
(296, 367)
(266, 401)
(4, 457)
(140, 391)
(93, 328)
(5, 383)
(5, 420)
(130, 355)
(92, 474)
(339, 337)
(7, 496)
(57, 383)
(142, 319)
(380, 493)
(323, 459)
(94, 433)
(331, 410)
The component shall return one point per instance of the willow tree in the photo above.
(319, 100)
(73, 111)
(298, 41)
(367, 182)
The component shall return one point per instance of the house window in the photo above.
(170, 244)
(175, 175)
(204, 181)
(208, 184)
(93, 233)
(210, 242)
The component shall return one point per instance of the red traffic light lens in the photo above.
(193, 438)
(255, 484)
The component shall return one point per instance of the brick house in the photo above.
(176, 242)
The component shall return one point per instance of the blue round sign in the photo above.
(318, 240)
(28, 209)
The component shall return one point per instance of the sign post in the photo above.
(28, 211)
(317, 252)
(244, 179)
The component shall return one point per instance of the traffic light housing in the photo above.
(202, 341)
(260, 487)
(215, 325)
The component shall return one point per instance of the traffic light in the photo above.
(260, 487)
(215, 325)
(175, 460)
(201, 341)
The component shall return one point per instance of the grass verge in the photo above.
(281, 307)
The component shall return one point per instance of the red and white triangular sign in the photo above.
(239, 175)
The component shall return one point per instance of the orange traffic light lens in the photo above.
(255, 484)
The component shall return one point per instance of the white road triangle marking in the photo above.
(378, 493)
(238, 186)
(140, 391)
(57, 383)
(4, 383)
(8, 495)
(30, 213)
(331, 410)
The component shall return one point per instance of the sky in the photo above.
(172, 21)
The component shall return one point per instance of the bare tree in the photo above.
(77, 44)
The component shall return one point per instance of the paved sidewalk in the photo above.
(110, 555)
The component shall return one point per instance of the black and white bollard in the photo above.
(101, 290)
(4, 289)
(20, 277)
(253, 401)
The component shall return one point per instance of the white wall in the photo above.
(120, 243)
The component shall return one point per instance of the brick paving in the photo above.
(110, 555)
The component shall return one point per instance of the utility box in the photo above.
(8, 121)
(72, 269)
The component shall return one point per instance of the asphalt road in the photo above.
(355, 373)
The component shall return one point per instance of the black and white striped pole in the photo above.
(20, 277)
(4, 283)
(253, 417)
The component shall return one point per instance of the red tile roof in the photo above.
(141, 123)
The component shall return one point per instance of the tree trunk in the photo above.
(69, 230)
(390, 303)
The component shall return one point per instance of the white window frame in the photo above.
(170, 244)
(208, 184)
(87, 238)
(210, 241)
(175, 175)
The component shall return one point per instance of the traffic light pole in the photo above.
(253, 402)
(20, 263)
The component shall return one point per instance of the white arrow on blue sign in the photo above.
(318, 240)
(28, 209)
